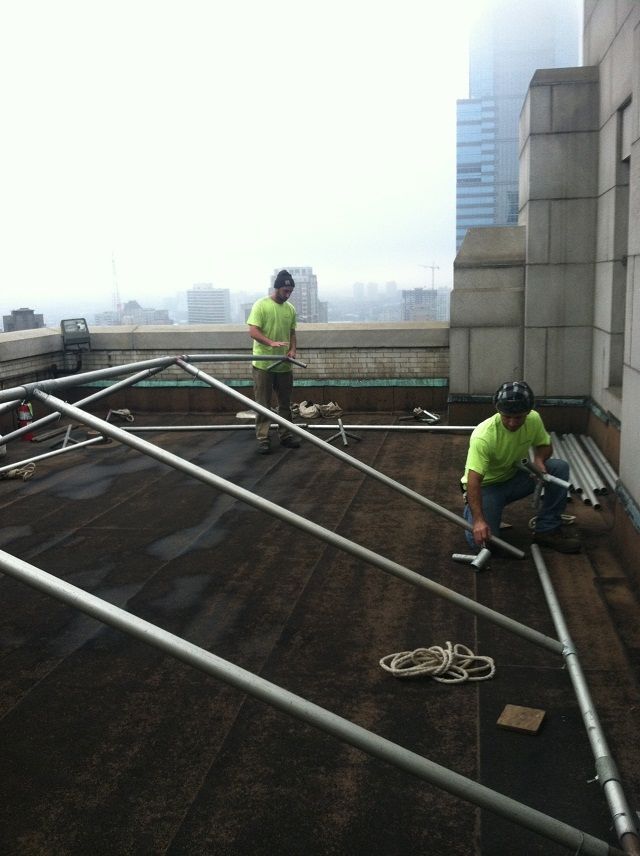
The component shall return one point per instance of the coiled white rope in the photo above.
(452, 664)
(23, 473)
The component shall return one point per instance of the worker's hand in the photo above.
(292, 353)
(280, 345)
(539, 463)
(481, 532)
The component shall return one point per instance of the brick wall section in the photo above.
(349, 352)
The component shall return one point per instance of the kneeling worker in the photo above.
(492, 479)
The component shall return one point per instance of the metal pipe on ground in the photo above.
(606, 769)
(595, 482)
(296, 520)
(609, 474)
(324, 426)
(588, 493)
(560, 451)
(305, 711)
(71, 447)
(579, 477)
(343, 456)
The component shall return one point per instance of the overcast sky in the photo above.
(205, 141)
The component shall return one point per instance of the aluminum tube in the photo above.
(52, 454)
(9, 405)
(595, 476)
(306, 711)
(240, 493)
(52, 417)
(593, 480)
(60, 383)
(610, 475)
(565, 453)
(235, 358)
(238, 426)
(583, 475)
(621, 814)
(530, 467)
(343, 456)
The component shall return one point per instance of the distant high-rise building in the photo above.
(425, 304)
(305, 294)
(208, 305)
(132, 313)
(22, 319)
(511, 40)
(358, 290)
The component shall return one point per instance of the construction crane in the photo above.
(433, 268)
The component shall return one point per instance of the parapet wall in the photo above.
(372, 367)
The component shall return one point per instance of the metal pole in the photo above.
(582, 472)
(60, 383)
(101, 393)
(606, 769)
(308, 426)
(305, 711)
(605, 467)
(52, 454)
(609, 474)
(55, 384)
(240, 493)
(593, 480)
(343, 456)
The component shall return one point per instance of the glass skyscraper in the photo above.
(510, 41)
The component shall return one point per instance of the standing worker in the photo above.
(272, 326)
(492, 479)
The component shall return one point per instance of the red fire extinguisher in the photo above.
(25, 417)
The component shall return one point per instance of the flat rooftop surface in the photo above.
(108, 746)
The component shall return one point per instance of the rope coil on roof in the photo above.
(452, 664)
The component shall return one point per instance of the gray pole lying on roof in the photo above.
(606, 768)
(299, 522)
(343, 456)
(56, 452)
(306, 711)
(309, 426)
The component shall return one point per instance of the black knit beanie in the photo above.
(284, 278)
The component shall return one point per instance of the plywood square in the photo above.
(527, 720)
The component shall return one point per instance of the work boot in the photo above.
(264, 447)
(557, 539)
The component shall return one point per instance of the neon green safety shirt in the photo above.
(276, 320)
(494, 451)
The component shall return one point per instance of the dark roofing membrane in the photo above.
(109, 746)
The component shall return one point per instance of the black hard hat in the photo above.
(514, 397)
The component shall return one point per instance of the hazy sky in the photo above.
(206, 141)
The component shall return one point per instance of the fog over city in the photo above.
(204, 141)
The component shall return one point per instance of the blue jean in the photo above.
(496, 496)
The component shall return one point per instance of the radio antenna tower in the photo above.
(117, 306)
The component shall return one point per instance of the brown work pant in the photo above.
(264, 385)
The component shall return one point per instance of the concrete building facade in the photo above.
(305, 295)
(208, 305)
(22, 319)
(556, 299)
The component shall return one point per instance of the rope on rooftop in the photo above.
(452, 664)
(23, 473)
